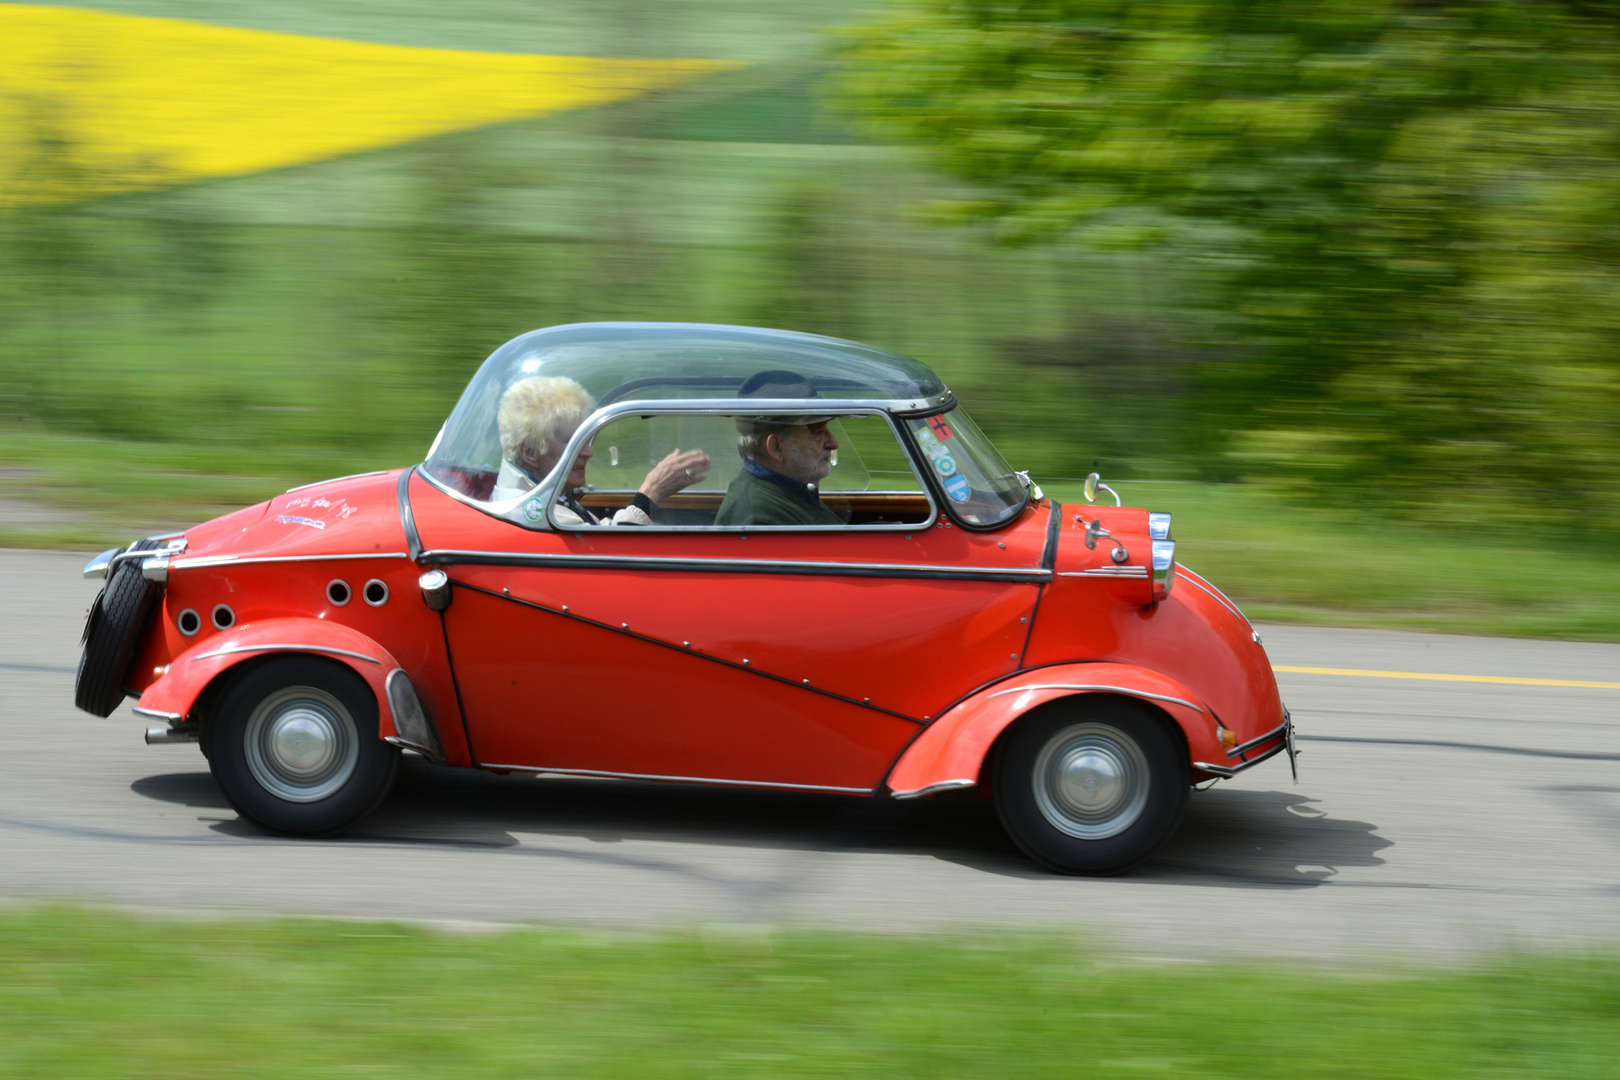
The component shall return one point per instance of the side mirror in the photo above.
(1094, 484)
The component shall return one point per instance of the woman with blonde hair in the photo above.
(537, 417)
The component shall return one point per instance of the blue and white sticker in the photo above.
(958, 488)
(534, 509)
(945, 464)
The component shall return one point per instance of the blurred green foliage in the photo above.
(1408, 214)
(89, 994)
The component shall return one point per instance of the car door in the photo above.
(771, 658)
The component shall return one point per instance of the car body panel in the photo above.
(952, 751)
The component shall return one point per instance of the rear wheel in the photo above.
(1092, 787)
(293, 744)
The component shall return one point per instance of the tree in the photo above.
(1412, 208)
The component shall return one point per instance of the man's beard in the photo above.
(806, 463)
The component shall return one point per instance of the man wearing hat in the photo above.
(785, 458)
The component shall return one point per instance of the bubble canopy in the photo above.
(672, 362)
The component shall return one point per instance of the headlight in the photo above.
(1164, 565)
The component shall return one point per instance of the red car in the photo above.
(700, 554)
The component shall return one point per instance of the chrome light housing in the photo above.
(1164, 566)
(1159, 526)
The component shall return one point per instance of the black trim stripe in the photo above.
(795, 683)
(1015, 575)
(1049, 553)
(407, 519)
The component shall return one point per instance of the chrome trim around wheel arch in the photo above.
(1093, 686)
(934, 789)
(284, 647)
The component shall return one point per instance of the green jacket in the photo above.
(753, 500)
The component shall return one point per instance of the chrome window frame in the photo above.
(549, 488)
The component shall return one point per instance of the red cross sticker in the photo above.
(941, 429)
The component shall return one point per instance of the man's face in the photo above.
(803, 453)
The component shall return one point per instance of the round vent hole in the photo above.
(189, 622)
(224, 617)
(376, 593)
(338, 592)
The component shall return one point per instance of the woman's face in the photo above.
(540, 463)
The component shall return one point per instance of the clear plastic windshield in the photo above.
(981, 489)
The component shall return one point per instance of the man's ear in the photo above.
(773, 446)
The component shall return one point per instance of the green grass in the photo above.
(89, 994)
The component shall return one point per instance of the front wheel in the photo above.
(1092, 787)
(293, 745)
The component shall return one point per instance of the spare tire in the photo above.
(112, 631)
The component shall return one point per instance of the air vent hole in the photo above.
(376, 593)
(224, 618)
(189, 622)
(338, 592)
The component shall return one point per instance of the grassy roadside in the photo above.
(98, 994)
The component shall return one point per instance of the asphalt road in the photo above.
(1431, 819)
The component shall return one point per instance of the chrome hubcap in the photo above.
(1091, 781)
(301, 744)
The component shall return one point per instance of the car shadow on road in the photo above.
(1232, 837)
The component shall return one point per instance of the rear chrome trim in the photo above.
(932, 789)
(206, 561)
(452, 556)
(283, 647)
(678, 779)
(157, 714)
(1280, 729)
(1226, 772)
(1091, 686)
(1200, 582)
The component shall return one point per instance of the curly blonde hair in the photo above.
(540, 411)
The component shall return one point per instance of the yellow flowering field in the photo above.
(147, 101)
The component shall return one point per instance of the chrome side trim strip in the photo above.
(98, 566)
(206, 561)
(154, 714)
(447, 556)
(287, 646)
(1108, 571)
(678, 779)
(1088, 686)
(335, 479)
(943, 785)
(1199, 581)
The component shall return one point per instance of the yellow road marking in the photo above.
(1505, 679)
(143, 102)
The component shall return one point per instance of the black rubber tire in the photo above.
(345, 699)
(1127, 723)
(112, 632)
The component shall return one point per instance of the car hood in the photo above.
(351, 515)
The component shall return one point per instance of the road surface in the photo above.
(1432, 819)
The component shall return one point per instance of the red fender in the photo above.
(951, 751)
(174, 694)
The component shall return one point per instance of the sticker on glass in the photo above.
(534, 509)
(958, 488)
(940, 428)
(945, 464)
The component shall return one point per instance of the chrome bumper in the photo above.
(1283, 736)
